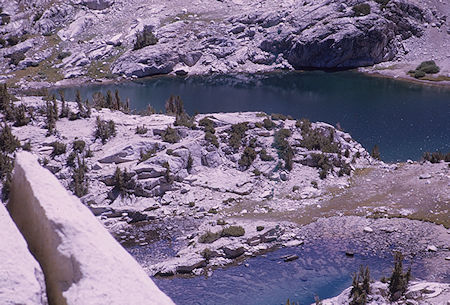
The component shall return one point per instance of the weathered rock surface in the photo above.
(421, 292)
(81, 261)
(214, 36)
(21, 277)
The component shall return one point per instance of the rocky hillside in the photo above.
(49, 40)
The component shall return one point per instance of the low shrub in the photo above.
(63, 55)
(313, 139)
(278, 116)
(399, 280)
(16, 57)
(285, 151)
(247, 157)
(8, 142)
(59, 148)
(207, 124)
(104, 130)
(264, 155)
(27, 146)
(145, 155)
(360, 287)
(428, 67)
(20, 116)
(233, 231)
(436, 157)
(184, 120)
(78, 145)
(79, 184)
(145, 38)
(170, 135)
(322, 163)
(269, 124)
(237, 133)
(141, 129)
(211, 138)
(361, 9)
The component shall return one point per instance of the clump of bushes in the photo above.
(264, 155)
(59, 148)
(278, 116)
(237, 133)
(314, 139)
(170, 135)
(145, 155)
(145, 38)
(211, 138)
(268, 124)
(436, 157)
(141, 129)
(78, 145)
(361, 9)
(233, 231)
(376, 153)
(79, 184)
(120, 182)
(63, 55)
(323, 164)
(109, 101)
(426, 67)
(208, 126)
(16, 57)
(8, 142)
(247, 158)
(285, 150)
(399, 280)
(20, 117)
(360, 287)
(104, 130)
(209, 237)
(167, 176)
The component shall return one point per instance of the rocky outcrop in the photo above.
(21, 277)
(421, 292)
(214, 36)
(81, 261)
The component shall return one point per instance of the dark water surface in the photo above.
(404, 119)
(267, 280)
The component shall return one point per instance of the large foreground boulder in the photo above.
(21, 277)
(82, 262)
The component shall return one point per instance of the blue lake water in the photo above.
(404, 119)
(322, 269)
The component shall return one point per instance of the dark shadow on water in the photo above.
(404, 119)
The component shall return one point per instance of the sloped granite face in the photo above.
(21, 277)
(81, 261)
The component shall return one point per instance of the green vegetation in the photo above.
(361, 9)
(268, 124)
(104, 130)
(16, 57)
(59, 148)
(170, 135)
(247, 158)
(145, 38)
(398, 282)
(436, 157)
(141, 129)
(8, 142)
(79, 184)
(190, 162)
(322, 163)
(109, 101)
(167, 176)
(78, 145)
(120, 180)
(20, 117)
(313, 139)
(211, 138)
(237, 133)
(376, 153)
(285, 151)
(264, 155)
(145, 155)
(360, 287)
(51, 117)
(63, 55)
(426, 67)
(209, 237)
(233, 231)
(278, 116)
